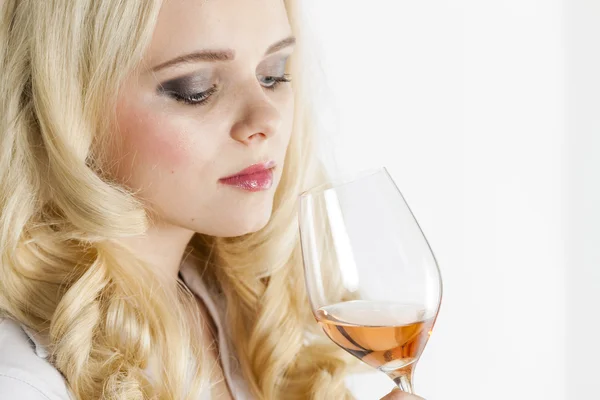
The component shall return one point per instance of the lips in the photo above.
(255, 178)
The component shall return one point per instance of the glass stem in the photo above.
(403, 378)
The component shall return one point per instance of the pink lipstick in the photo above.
(255, 178)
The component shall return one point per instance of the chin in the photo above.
(248, 228)
(239, 223)
(245, 226)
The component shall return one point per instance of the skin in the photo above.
(399, 395)
(173, 154)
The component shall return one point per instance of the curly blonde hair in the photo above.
(62, 270)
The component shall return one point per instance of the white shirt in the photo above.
(26, 374)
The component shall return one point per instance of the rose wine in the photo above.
(387, 336)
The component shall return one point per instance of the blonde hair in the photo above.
(62, 270)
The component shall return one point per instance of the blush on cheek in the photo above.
(151, 140)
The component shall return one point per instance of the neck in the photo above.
(163, 247)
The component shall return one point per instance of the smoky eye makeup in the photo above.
(185, 86)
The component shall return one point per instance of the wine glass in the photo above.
(373, 282)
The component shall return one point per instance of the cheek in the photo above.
(152, 140)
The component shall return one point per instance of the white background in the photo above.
(487, 114)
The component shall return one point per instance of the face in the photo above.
(203, 126)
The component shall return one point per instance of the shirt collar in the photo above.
(40, 342)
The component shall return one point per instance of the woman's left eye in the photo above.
(272, 82)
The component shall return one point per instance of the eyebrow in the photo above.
(220, 55)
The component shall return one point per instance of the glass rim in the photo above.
(343, 180)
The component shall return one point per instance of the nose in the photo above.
(259, 120)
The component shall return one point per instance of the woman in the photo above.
(150, 160)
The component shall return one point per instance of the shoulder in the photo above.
(24, 371)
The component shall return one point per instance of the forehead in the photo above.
(246, 26)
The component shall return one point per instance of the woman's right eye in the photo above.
(195, 99)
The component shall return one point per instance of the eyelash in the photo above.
(195, 99)
(203, 98)
(277, 80)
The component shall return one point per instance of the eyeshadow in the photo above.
(186, 85)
